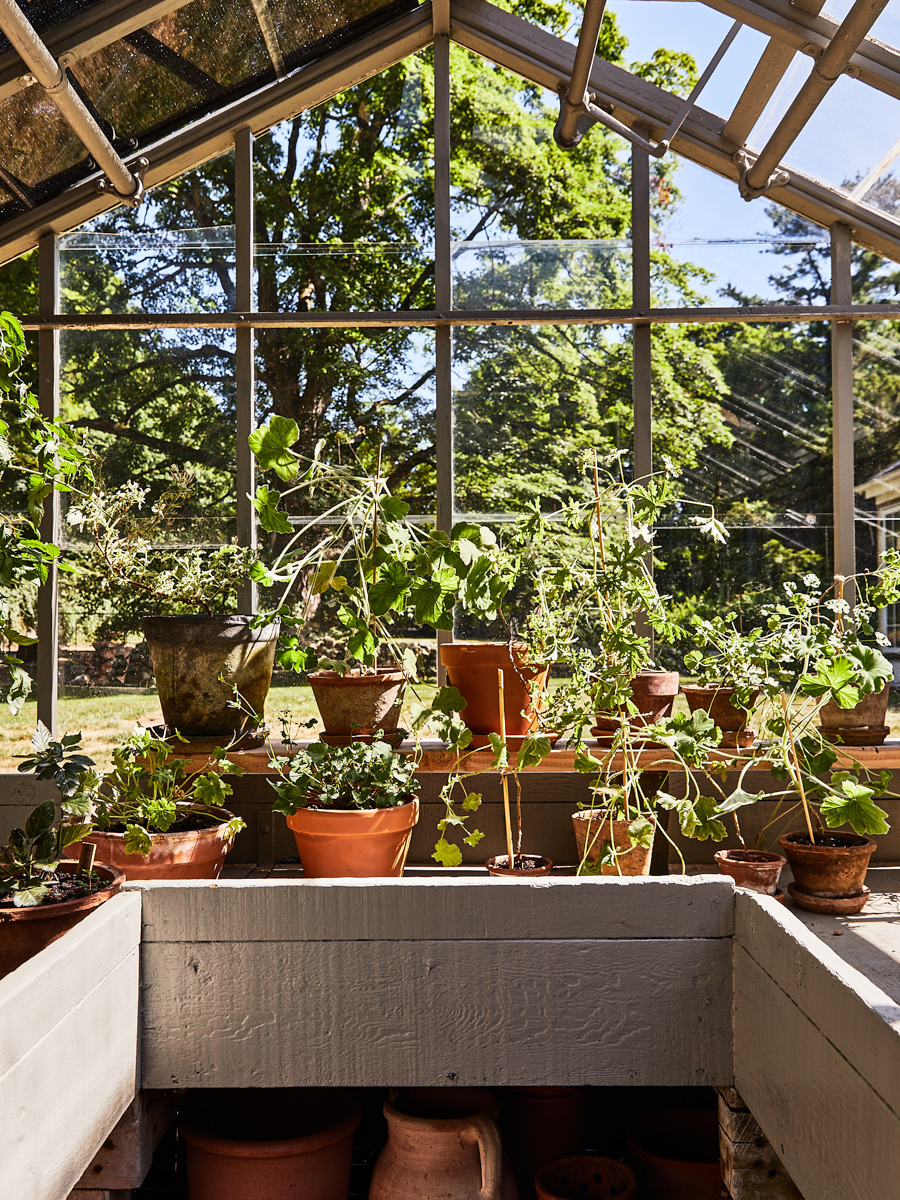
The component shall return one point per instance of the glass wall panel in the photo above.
(526, 275)
(345, 200)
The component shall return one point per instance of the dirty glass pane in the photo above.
(524, 275)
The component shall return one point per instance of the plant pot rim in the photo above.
(209, 618)
(211, 831)
(356, 812)
(356, 676)
(115, 878)
(513, 651)
(444, 1124)
(759, 857)
(859, 842)
(284, 1148)
(541, 871)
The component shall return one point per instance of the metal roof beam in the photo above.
(768, 73)
(98, 26)
(763, 173)
(547, 61)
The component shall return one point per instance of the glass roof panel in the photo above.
(886, 29)
(158, 79)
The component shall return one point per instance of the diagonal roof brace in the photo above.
(578, 111)
(763, 172)
(47, 72)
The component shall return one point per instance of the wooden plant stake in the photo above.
(86, 858)
(504, 780)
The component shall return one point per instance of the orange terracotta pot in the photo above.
(675, 1154)
(541, 1125)
(356, 705)
(24, 932)
(717, 702)
(592, 830)
(197, 854)
(472, 670)
(240, 1148)
(442, 1142)
(586, 1177)
(349, 843)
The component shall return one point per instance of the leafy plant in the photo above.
(31, 856)
(361, 775)
(133, 550)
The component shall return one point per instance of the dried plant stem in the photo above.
(504, 780)
(798, 775)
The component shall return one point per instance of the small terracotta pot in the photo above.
(228, 1158)
(675, 1154)
(198, 659)
(196, 854)
(754, 869)
(732, 720)
(586, 1175)
(835, 871)
(653, 692)
(358, 705)
(541, 1125)
(349, 843)
(442, 1142)
(24, 932)
(592, 830)
(862, 725)
(499, 865)
(472, 669)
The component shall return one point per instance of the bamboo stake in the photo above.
(798, 778)
(505, 782)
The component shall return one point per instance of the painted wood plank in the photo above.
(436, 909)
(124, 1159)
(434, 1013)
(19, 794)
(834, 1133)
(66, 1092)
(855, 1015)
(39, 995)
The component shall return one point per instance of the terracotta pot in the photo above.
(833, 871)
(348, 843)
(442, 1143)
(717, 701)
(198, 660)
(675, 1154)
(586, 1175)
(653, 692)
(862, 725)
(356, 706)
(472, 670)
(754, 869)
(271, 1144)
(539, 1126)
(196, 854)
(24, 932)
(592, 830)
(499, 865)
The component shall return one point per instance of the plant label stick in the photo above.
(86, 858)
(504, 780)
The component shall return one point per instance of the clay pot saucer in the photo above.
(482, 741)
(855, 735)
(831, 906)
(341, 739)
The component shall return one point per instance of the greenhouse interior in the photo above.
(357, 352)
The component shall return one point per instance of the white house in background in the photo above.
(884, 489)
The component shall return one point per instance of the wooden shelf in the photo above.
(437, 759)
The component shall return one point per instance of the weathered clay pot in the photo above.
(472, 669)
(717, 702)
(586, 1175)
(197, 662)
(862, 725)
(271, 1144)
(347, 843)
(499, 865)
(675, 1154)
(832, 871)
(24, 932)
(541, 1125)
(356, 706)
(196, 854)
(442, 1142)
(653, 692)
(754, 869)
(592, 830)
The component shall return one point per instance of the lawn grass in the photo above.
(105, 720)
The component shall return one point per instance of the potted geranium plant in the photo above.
(351, 808)
(199, 652)
(151, 817)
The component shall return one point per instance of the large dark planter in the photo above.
(198, 661)
(862, 725)
(24, 932)
(731, 719)
(828, 877)
(472, 670)
(356, 707)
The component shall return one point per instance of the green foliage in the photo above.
(31, 856)
(358, 776)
